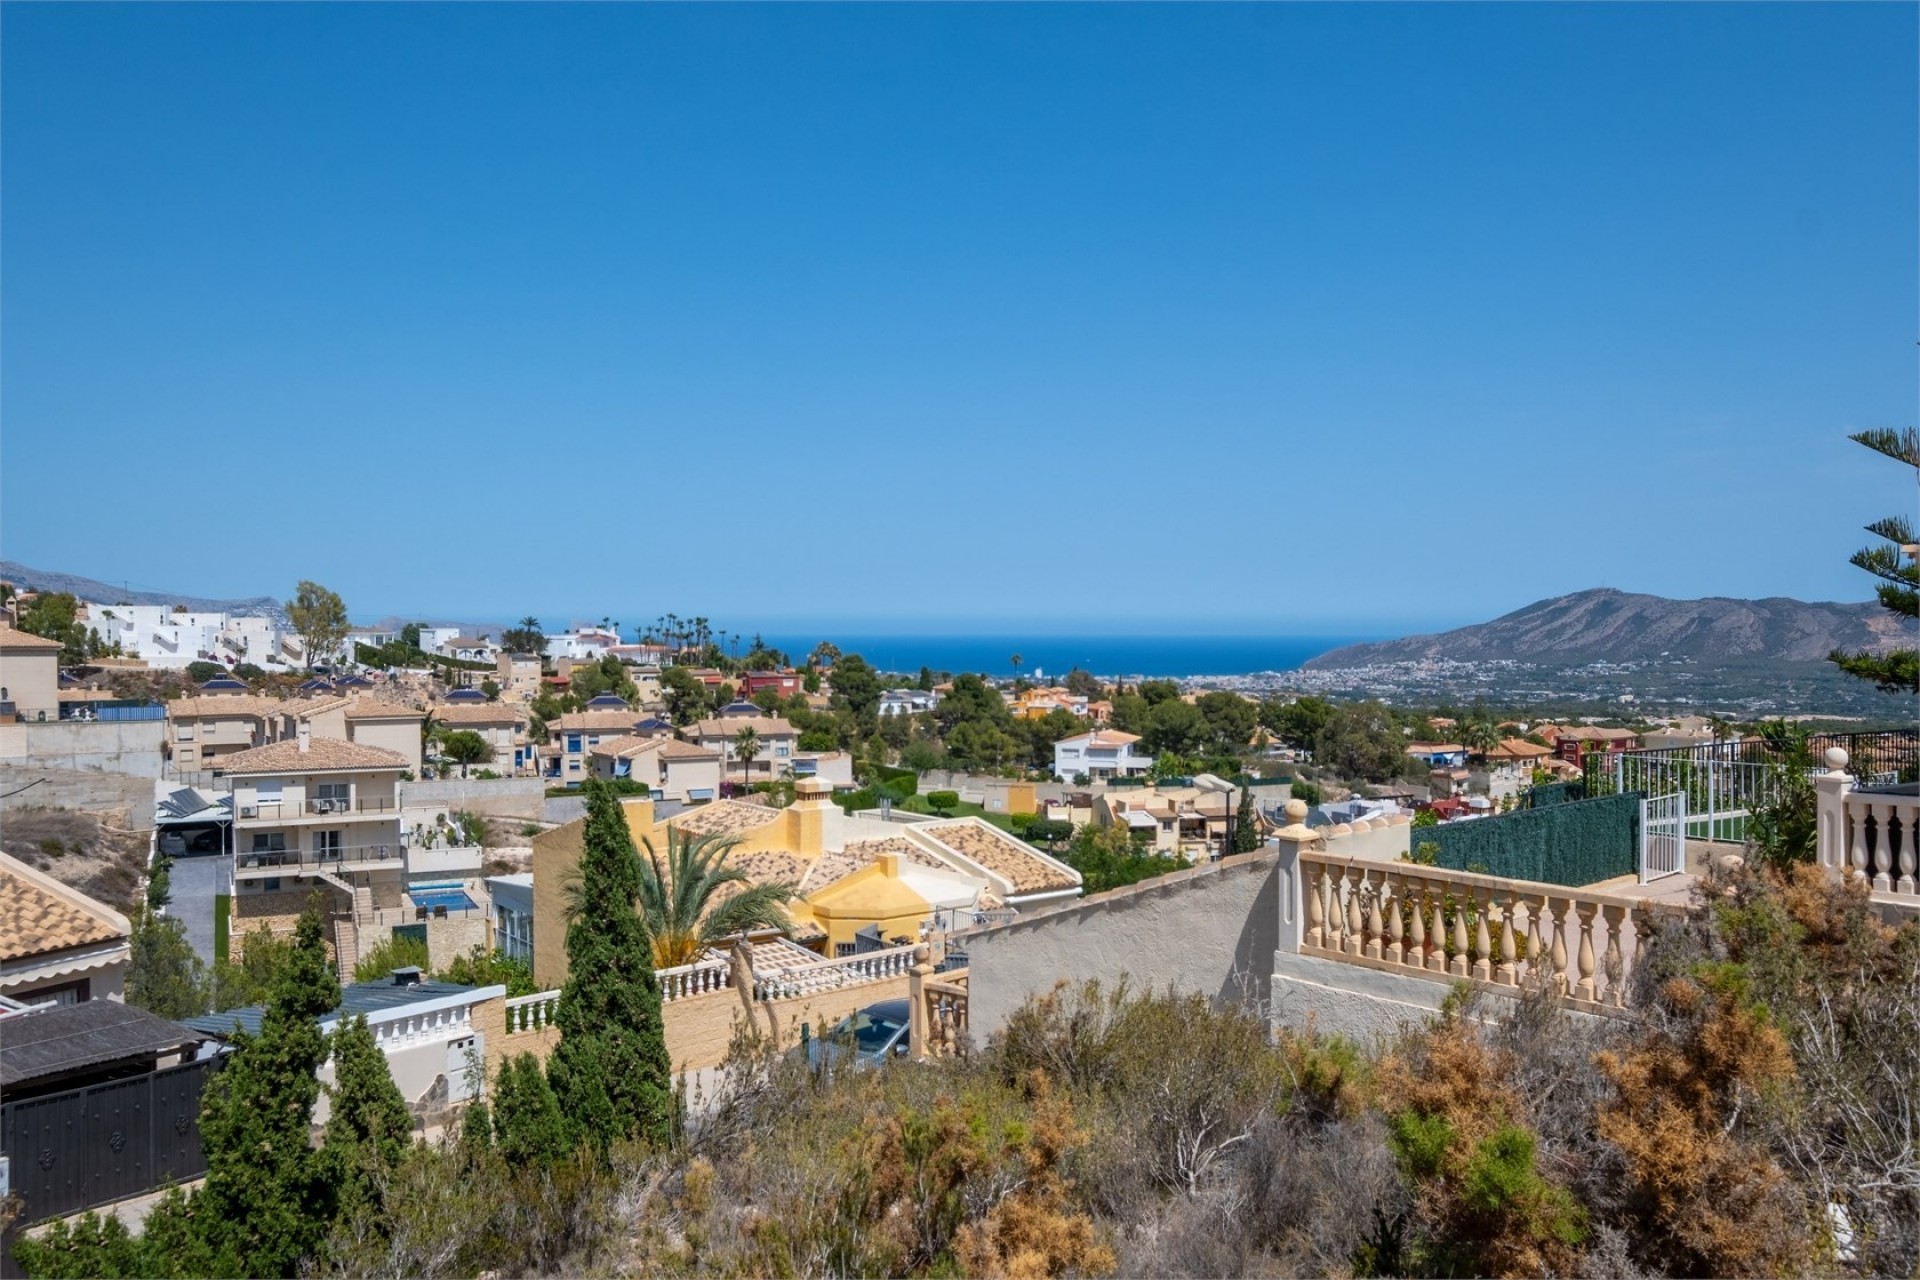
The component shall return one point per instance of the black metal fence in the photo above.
(1869, 755)
(92, 1146)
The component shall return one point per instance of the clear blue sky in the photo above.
(1298, 318)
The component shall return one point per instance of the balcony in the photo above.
(330, 808)
(261, 863)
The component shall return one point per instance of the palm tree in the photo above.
(1016, 666)
(678, 898)
(746, 745)
(1480, 736)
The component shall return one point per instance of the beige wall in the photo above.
(32, 681)
(700, 1029)
(402, 737)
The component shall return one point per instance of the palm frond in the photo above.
(760, 906)
(1901, 446)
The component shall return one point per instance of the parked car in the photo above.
(868, 1037)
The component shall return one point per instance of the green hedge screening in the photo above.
(1552, 793)
(1576, 843)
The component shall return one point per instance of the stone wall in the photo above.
(520, 798)
(1211, 929)
(115, 746)
(280, 912)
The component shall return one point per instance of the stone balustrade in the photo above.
(532, 1013)
(395, 1033)
(1867, 832)
(697, 979)
(1450, 926)
(944, 1005)
(843, 971)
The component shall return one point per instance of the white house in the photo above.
(1104, 753)
(584, 645)
(906, 702)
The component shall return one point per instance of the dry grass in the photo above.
(106, 863)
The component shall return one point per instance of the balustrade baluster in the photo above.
(1857, 815)
(1906, 882)
(1507, 973)
(1557, 975)
(1482, 967)
(1417, 911)
(1352, 912)
(1317, 908)
(1437, 935)
(1462, 962)
(1616, 960)
(1375, 916)
(1537, 957)
(1584, 989)
(1396, 927)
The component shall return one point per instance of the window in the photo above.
(573, 742)
(842, 949)
(66, 993)
(269, 842)
(326, 845)
(270, 885)
(184, 733)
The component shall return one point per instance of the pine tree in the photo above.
(1899, 574)
(529, 1129)
(164, 975)
(369, 1127)
(610, 1070)
(267, 1203)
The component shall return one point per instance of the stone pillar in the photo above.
(919, 1031)
(1831, 842)
(1293, 838)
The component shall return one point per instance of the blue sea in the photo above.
(1056, 655)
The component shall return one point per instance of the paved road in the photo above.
(195, 881)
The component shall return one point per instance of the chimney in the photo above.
(408, 976)
(304, 735)
(889, 865)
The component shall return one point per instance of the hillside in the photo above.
(1605, 625)
(107, 593)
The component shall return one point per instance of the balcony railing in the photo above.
(1868, 832)
(320, 860)
(324, 804)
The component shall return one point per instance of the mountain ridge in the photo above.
(1605, 624)
(96, 592)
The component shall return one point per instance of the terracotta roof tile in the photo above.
(323, 754)
(724, 818)
(1025, 868)
(35, 920)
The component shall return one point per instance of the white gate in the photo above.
(1663, 836)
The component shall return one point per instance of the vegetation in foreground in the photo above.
(1750, 1119)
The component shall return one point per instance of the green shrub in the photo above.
(399, 951)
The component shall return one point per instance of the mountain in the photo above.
(106, 593)
(1605, 625)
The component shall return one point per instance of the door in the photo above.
(1663, 836)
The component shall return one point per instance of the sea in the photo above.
(1054, 656)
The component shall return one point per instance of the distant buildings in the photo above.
(1103, 754)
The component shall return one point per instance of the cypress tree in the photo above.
(164, 976)
(369, 1128)
(529, 1129)
(267, 1203)
(1899, 590)
(1246, 826)
(610, 1070)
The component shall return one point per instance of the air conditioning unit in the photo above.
(249, 811)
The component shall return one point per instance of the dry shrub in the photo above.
(1034, 1233)
(1460, 1129)
(1701, 1199)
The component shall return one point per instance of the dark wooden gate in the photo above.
(91, 1146)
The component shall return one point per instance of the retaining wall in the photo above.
(128, 798)
(495, 797)
(1211, 929)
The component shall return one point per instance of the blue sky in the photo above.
(1291, 318)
